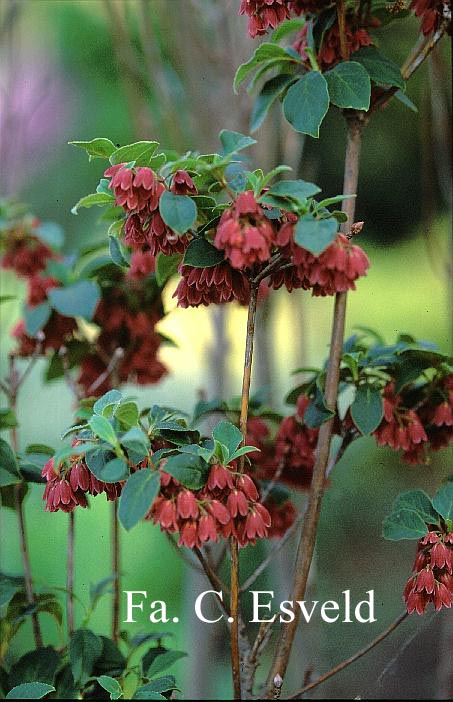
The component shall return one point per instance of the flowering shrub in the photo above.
(229, 234)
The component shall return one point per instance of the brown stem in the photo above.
(310, 524)
(26, 564)
(234, 569)
(70, 574)
(341, 15)
(115, 571)
(344, 664)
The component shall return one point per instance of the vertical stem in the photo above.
(341, 15)
(26, 564)
(234, 573)
(310, 524)
(18, 504)
(70, 573)
(115, 571)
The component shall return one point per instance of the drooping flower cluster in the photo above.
(264, 14)
(335, 270)
(283, 515)
(228, 505)
(68, 486)
(127, 315)
(244, 232)
(432, 579)
(415, 430)
(138, 191)
(24, 252)
(215, 285)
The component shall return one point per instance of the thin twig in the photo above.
(348, 661)
(213, 579)
(116, 560)
(70, 573)
(185, 557)
(272, 553)
(341, 16)
(111, 366)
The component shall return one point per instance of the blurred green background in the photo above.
(163, 69)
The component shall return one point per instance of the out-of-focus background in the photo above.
(163, 69)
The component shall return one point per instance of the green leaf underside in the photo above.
(404, 524)
(297, 189)
(179, 212)
(265, 52)
(77, 300)
(141, 153)
(101, 427)
(137, 496)
(443, 501)
(418, 501)
(30, 691)
(96, 148)
(315, 235)
(306, 103)
(367, 409)
(93, 199)
(349, 86)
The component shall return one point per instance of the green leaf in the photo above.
(96, 148)
(84, 650)
(345, 399)
(107, 404)
(114, 471)
(36, 317)
(201, 254)
(287, 27)
(135, 440)
(228, 435)
(243, 451)
(404, 524)
(315, 235)
(297, 189)
(266, 98)
(402, 97)
(265, 52)
(117, 253)
(418, 501)
(381, 70)
(111, 662)
(349, 86)
(233, 142)
(127, 413)
(40, 664)
(179, 212)
(101, 427)
(9, 470)
(51, 234)
(77, 300)
(306, 103)
(367, 409)
(190, 470)
(111, 685)
(141, 152)
(93, 199)
(30, 691)
(317, 411)
(9, 586)
(443, 501)
(102, 587)
(164, 661)
(166, 267)
(138, 496)
(156, 687)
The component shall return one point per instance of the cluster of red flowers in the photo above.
(414, 431)
(268, 14)
(68, 486)
(335, 270)
(283, 515)
(24, 252)
(228, 505)
(430, 12)
(138, 191)
(127, 321)
(432, 580)
(217, 284)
